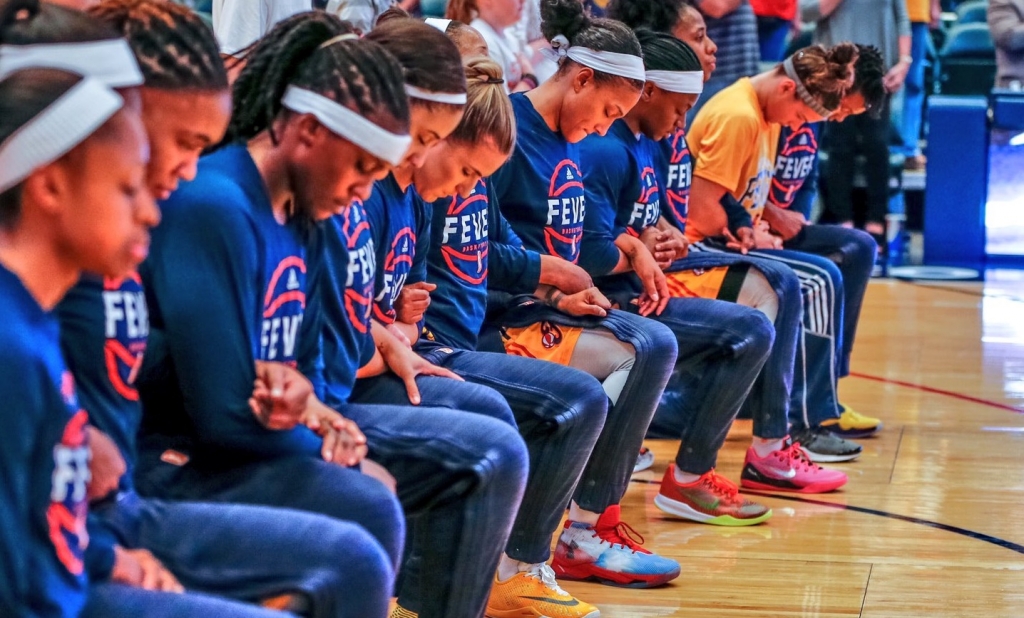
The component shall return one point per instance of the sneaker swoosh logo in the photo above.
(569, 603)
(786, 474)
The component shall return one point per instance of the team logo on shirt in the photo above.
(126, 328)
(362, 267)
(283, 308)
(647, 207)
(680, 175)
(397, 265)
(563, 230)
(793, 165)
(756, 193)
(464, 238)
(66, 513)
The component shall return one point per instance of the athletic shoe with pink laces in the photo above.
(788, 469)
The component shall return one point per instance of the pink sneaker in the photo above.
(788, 469)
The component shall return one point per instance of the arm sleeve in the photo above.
(736, 213)
(99, 554)
(510, 267)
(21, 397)
(607, 187)
(1006, 24)
(803, 201)
(810, 11)
(205, 286)
(902, 17)
(418, 271)
(725, 147)
(310, 351)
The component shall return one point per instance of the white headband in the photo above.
(440, 24)
(347, 124)
(111, 61)
(623, 65)
(437, 97)
(53, 132)
(683, 82)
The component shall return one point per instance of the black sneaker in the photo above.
(823, 446)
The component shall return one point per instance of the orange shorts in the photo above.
(717, 283)
(544, 340)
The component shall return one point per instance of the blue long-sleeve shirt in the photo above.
(104, 327)
(794, 185)
(226, 285)
(472, 249)
(44, 464)
(623, 195)
(540, 187)
(350, 267)
(674, 168)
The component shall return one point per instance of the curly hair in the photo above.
(826, 72)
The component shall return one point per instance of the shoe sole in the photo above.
(826, 458)
(647, 465)
(529, 613)
(611, 578)
(681, 509)
(813, 488)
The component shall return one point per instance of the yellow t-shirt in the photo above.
(734, 146)
(919, 11)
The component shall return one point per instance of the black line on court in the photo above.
(971, 534)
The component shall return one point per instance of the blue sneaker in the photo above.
(607, 553)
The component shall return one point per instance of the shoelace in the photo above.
(721, 486)
(546, 576)
(796, 456)
(622, 534)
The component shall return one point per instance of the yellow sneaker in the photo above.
(535, 594)
(852, 424)
(401, 612)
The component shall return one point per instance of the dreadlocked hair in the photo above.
(176, 50)
(868, 74)
(656, 15)
(826, 72)
(307, 50)
(489, 113)
(569, 19)
(27, 22)
(437, 71)
(664, 52)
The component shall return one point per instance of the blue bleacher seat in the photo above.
(967, 61)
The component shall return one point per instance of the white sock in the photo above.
(764, 447)
(684, 478)
(508, 568)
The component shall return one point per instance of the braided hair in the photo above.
(868, 74)
(307, 50)
(175, 49)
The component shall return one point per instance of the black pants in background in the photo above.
(857, 135)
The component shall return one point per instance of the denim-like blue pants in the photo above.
(107, 600)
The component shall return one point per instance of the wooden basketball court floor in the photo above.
(931, 523)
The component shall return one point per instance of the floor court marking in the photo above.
(971, 534)
(966, 292)
(938, 391)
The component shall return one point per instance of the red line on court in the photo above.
(939, 391)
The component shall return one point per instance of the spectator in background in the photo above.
(240, 23)
(885, 25)
(733, 26)
(775, 19)
(363, 14)
(497, 21)
(924, 16)
(1006, 20)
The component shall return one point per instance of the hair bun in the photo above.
(563, 17)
